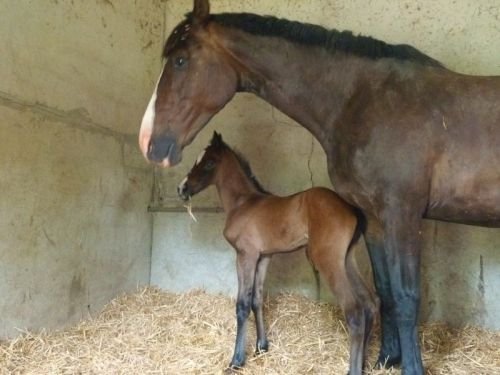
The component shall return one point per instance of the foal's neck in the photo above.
(233, 185)
(308, 83)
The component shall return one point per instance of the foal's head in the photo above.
(205, 168)
(197, 80)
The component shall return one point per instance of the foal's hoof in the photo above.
(262, 348)
(232, 370)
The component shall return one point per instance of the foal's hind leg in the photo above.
(262, 344)
(364, 296)
(246, 267)
(330, 262)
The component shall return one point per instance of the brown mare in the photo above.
(259, 224)
(405, 138)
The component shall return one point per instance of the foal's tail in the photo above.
(360, 226)
(362, 291)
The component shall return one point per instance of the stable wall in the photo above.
(74, 227)
(461, 264)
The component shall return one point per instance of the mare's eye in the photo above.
(210, 164)
(180, 61)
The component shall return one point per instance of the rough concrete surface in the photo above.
(74, 226)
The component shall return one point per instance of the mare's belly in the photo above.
(469, 195)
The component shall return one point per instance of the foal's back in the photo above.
(271, 224)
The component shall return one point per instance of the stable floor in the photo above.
(154, 332)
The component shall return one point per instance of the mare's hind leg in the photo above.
(246, 266)
(262, 344)
(390, 349)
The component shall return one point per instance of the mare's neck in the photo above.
(233, 185)
(308, 83)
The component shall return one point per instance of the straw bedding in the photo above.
(154, 332)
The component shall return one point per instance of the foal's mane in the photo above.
(245, 166)
(315, 35)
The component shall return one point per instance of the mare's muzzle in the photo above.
(164, 150)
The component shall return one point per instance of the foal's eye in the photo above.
(179, 62)
(210, 164)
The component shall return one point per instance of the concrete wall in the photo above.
(461, 265)
(74, 228)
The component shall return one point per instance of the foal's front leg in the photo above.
(246, 267)
(262, 344)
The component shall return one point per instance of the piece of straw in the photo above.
(189, 208)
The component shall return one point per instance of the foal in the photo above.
(259, 225)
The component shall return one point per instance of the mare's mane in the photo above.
(315, 35)
(307, 34)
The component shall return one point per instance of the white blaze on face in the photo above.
(200, 156)
(181, 185)
(147, 123)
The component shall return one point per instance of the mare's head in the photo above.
(196, 82)
(205, 168)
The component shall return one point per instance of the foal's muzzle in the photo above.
(183, 191)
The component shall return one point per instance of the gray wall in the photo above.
(461, 264)
(74, 226)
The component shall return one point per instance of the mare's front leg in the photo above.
(402, 240)
(246, 267)
(390, 349)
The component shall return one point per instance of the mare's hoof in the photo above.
(388, 361)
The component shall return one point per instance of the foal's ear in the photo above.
(217, 139)
(201, 11)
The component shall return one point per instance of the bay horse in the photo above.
(259, 224)
(405, 138)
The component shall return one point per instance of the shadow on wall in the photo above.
(461, 275)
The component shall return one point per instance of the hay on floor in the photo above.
(153, 332)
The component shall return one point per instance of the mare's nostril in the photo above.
(160, 148)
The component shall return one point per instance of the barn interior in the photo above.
(85, 218)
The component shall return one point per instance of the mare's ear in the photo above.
(201, 11)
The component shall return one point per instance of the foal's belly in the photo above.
(282, 234)
(272, 225)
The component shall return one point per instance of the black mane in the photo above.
(245, 165)
(314, 35)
